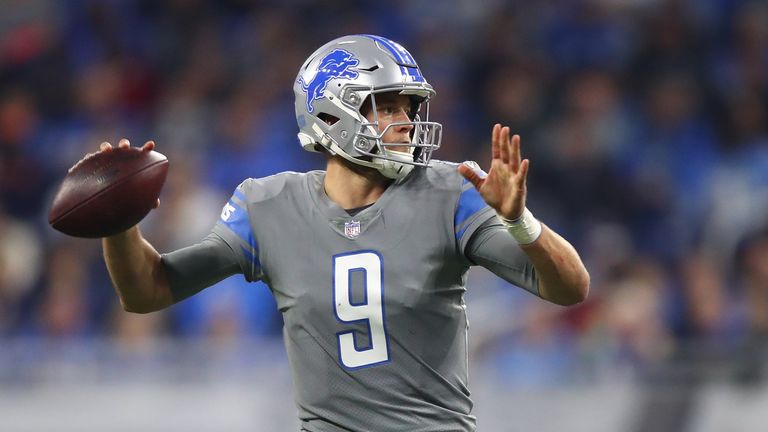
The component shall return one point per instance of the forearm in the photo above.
(562, 277)
(137, 272)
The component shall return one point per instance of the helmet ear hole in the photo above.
(416, 102)
(366, 107)
(330, 120)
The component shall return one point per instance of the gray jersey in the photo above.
(375, 324)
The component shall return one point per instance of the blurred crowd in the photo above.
(646, 122)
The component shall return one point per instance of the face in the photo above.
(391, 108)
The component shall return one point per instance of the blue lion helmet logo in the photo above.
(336, 64)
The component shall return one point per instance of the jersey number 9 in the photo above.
(369, 311)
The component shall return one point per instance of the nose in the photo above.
(402, 116)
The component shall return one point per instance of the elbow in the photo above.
(578, 290)
(133, 308)
(137, 308)
(144, 299)
(577, 294)
(571, 293)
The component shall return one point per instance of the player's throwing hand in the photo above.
(504, 188)
(124, 143)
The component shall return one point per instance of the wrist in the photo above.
(525, 229)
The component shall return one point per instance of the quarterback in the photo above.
(367, 259)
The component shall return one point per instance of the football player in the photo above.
(368, 258)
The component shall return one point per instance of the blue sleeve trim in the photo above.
(470, 203)
(236, 219)
(239, 195)
(251, 257)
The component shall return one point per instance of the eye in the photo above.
(387, 109)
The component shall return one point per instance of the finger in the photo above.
(124, 143)
(105, 146)
(504, 144)
(148, 146)
(522, 175)
(515, 157)
(495, 148)
(471, 176)
(157, 204)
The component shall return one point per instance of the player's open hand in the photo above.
(504, 188)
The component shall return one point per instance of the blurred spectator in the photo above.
(669, 167)
(575, 153)
(23, 178)
(63, 309)
(753, 276)
(628, 325)
(21, 260)
(753, 279)
(538, 353)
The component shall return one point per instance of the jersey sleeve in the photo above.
(471, 212)
(194, 268)
(234, 228)
(493, 247)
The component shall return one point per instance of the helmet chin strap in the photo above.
(394, 169)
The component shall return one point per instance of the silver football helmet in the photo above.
(335, 82)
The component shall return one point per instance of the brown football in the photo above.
(108, 192)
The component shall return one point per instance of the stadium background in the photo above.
(646, 122)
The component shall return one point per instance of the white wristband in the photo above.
(526, 229)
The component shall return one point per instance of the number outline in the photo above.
(367, 321)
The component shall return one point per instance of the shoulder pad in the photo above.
(265, 188)
(444, 175)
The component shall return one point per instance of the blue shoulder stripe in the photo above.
(470, 203)
(239, 195)
(236, 219)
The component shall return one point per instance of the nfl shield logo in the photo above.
(352, 229)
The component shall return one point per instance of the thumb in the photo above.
(471, 175)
